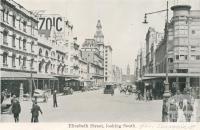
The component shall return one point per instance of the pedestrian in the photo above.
(35, 112)
(55, 99)
(16, 109)
(164, 111)
(188, 110)
(173, 112)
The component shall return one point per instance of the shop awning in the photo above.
(8, 75)
(172, 75)
(43, 76)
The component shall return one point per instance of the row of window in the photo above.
(14, 19)
(184, 57)
(21, 60)
(14, 40)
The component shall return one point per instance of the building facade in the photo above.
(182, 37)
(18, 51)
(108, 71)
(91, 54)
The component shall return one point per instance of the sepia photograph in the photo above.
(65, 61)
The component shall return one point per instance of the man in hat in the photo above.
(16, 109)
(55, 99)
(35, 112)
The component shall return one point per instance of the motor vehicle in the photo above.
(40, 95)
(67, 91)
(6, 105)
(109, 89)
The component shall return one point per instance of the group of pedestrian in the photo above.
(35, 110)
(173, 111)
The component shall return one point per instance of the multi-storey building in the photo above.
(108, 64)
(91, 54)
(152, 40)
(58, 56)
(183, 52)
(18, 46)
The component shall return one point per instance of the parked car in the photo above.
(67, 91)
(109, 89)
(40, 94)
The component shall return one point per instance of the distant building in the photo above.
(128, 77)
(108, 64)
(91, 54)
(117, 74)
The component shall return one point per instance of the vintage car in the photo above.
(40, 95)
(67, 91)
(109, 89)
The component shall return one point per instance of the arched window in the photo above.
(13, 60)
(5, 37)
(5, 58)
(46, 53)
(40, 52)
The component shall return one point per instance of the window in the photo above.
(170, 60)
(19, 60)
(20, 42)
(14, 19)
(46, 53)
(193, 32)
(32, 44)
(13, 60)
(3, 11)
(24, 26)
(24, 62)
(31, 64)
(13, 40)
(24, 44)
(198, 57)
(20, 24)
(5, 37)
(177, 57)
(5, 57)
(62, 59)
(7, 15)
(58, 57)
(40, 52)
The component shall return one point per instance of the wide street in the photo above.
(93, 106)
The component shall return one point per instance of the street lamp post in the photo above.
(166, 82)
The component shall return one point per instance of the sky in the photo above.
(121, 21)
